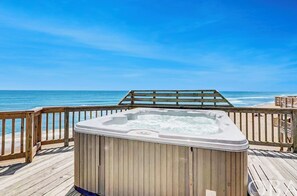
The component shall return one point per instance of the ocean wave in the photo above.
(239, 98)
(261, 104)
(235, 101)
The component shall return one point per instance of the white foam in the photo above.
(186, 125)
(183, 127)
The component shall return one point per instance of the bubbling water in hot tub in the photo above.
(175, 124)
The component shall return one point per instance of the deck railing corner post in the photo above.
(294, 129)
(29, 136)
(66, 127)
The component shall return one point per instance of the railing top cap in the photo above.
(172, 90)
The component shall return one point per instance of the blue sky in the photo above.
(121, 45)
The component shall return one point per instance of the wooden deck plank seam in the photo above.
(38, 168)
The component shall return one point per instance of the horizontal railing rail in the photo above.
(76, 114)
(286, 102)
(267, 127)
(261, 126)
(12, 122)
(197, 98)
(24, 132)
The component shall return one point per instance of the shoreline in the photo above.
(266, 105)
(20, 100)
(17, 144)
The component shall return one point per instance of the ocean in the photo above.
(249, 98)
(22, 100)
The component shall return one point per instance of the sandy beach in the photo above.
(246, 130)
(17, 144)
(272, 129)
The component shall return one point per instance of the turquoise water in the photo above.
(243, 98)
(22, 100)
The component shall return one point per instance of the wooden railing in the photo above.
(262, 126)
(286, 102)
(195, 98)
(10, 119)
(24, 132)
(76, 114)
(266, 126)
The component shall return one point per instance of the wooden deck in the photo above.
(51, 173)
(273, 173)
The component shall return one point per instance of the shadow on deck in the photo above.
(10, 169)
(272, 173)
(51, 173)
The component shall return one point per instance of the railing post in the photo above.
(132, 97)
(276, 101)
(38, 123)
(176, 97)
(29, 136)
(294, 128)
(66, 127)
(283, 100)
(39, 131)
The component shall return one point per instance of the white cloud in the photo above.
(236, 65)
(98, 38)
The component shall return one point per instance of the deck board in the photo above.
(274, 172)
(51, 173)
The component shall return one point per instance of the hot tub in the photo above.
(149, 151)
